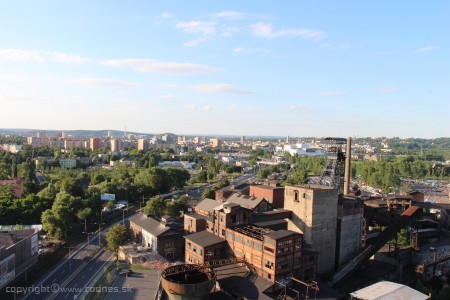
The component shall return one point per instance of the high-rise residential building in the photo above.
(215, 142)
(71, 144)
(40, 134)
(116, 145)
(37, 141)
(142, 145)
(95, 143)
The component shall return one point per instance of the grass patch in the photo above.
(138, 267)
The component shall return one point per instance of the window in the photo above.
(268, 264)
(269, 249)
(238, 239)
(257, 246)
(221, 219)
(189, 245)
(296, 196)
(170, 245)
(223, 231)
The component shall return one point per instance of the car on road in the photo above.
(126, 272)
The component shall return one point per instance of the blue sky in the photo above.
(297, 68)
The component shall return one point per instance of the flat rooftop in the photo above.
(204, 238)
(316, 187)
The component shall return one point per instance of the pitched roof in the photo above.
(245, 201)
(149, 224)
(207, 205)
(204, 238)
(388, 290)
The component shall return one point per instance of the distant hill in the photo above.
(74, 133)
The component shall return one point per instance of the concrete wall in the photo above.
(314, 211)
(350, 237)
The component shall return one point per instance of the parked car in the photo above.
(126, 272)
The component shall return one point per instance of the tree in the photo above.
(83, 214)
(174, 208)
(209, 193)
(109, 205)
(155, 207)
(117, 236)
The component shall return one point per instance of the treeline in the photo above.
(387, 173)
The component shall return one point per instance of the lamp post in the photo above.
(99, 236)
(89, 234)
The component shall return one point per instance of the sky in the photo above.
(253, 68)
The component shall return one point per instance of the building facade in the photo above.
(314, 213)
(95, 143)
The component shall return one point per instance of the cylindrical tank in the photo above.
(188, 282)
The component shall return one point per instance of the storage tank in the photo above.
(188, 282)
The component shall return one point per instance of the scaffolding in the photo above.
(334, 169)
(186, 268)
(253, 231)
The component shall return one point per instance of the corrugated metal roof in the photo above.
(386, 290)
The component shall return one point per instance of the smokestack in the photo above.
(348, 158)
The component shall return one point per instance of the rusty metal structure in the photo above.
(188, 282)
(333, 174)
(193, 281)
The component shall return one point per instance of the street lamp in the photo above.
(99, 236)
(89, 234)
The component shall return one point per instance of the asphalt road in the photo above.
(66, 279)
(83, 277)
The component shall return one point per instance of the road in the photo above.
(66, 280)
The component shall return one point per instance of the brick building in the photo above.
(273, 193)
(164, 237)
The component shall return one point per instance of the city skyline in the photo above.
(297, 69)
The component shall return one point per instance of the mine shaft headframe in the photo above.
(335, 147)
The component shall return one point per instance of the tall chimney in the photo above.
(348, 158)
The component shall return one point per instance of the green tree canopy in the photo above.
(117, 236)
(155, 207)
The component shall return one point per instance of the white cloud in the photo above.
(105, 82)
(40, 56)
(193, 43)
(232, 108)
(166, 15)
(228, 30)
(265, 30)
(148, 65)
(206, 108)
(386, 90)
(229, 15)
(20, 55)
(63, 57)
(208, 88)
(298, 108)
(218, 88)
(195, 27)
(331, 94)
(204, 29)
(166, 97)
(426, 49)
(242, 50)
(190, 107)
